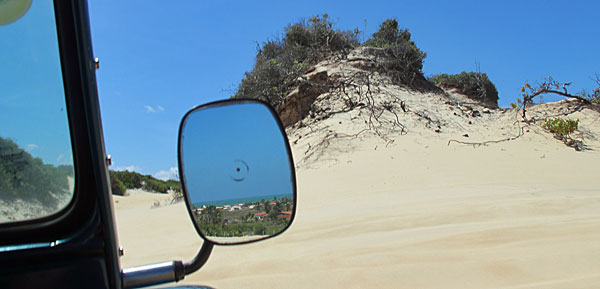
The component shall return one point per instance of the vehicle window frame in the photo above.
(84, 233)
(79, 213)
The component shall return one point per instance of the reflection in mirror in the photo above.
(237, 171)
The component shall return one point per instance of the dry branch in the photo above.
(551, 86)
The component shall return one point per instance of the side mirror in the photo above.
(238, 181)
(236, 171)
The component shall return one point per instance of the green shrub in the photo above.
(116, 185)
(402, 60)
(389, 35)
(131, 180)
(152, 184)
(174, 185)
(318, 38)
(134, 180)
(279, 63)
(562, 129)
(475, 85)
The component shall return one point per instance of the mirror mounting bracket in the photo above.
(165, 272)
(199, 260)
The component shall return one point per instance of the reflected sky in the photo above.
(234, 152)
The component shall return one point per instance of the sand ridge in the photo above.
(388, 208)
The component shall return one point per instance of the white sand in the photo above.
(415, 213)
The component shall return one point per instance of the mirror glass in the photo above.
(237, 170)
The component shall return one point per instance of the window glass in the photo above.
(36, 160)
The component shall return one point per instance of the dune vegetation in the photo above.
(475, 85)
(248, 219)
(28, 178)
(123, 180)
(289, 74)
(279, 63)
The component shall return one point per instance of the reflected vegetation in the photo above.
(251, 219)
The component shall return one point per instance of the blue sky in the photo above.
(161, 58)
(233, 152)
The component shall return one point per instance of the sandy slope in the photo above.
(418, 213)
(382, 208)
(152, 234)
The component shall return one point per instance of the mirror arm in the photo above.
(152, 274)
(165, 272)
(199, 260)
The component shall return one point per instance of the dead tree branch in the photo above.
(551, 86)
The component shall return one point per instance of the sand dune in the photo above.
(418, 213)
(386, 208)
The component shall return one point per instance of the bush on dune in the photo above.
(152, 184)
(279, 63)
(475, 85)
(134, 180)
(402, 59)
(116, 185)
(562, 130)
(397, 42)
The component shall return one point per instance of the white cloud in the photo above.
(149, 108)
(65, 158)
(130, 168)
(171, 174)
(153, 109)
(31, 146)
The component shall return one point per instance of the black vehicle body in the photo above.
(77, 248)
